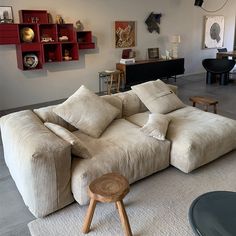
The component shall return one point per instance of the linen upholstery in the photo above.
(157, 97)
(139, 119)
(87, 112)
(78, 148)
(199, 137)
(39, 162)
(131, 103)
(114, 101)
(156, 126)
(46, 114)
(131, 153)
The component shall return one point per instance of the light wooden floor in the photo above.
(14, 215)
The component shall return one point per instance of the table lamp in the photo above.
(175, 40)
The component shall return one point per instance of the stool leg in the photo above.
(89, 216)
(215, 109)
(124, 218)
(118, 83)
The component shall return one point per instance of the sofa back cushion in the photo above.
(114, 101)
(46, 114)
(131, 104)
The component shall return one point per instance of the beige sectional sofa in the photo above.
(50, 177)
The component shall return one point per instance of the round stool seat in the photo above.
(110, 187)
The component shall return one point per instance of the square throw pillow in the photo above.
(87, 112)
(157, 97)
(78, 148)
(156, 126)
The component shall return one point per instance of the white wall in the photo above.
(59, 80)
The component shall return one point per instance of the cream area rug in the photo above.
(156, 205)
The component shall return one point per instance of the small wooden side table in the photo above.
(111, 187)
(205, 101)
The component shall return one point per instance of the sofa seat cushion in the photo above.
(121, 148)
(197, 137)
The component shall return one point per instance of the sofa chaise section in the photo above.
(39, 162)
(197, 137)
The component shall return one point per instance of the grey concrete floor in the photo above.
(14, 215)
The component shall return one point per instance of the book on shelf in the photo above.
(127, 61)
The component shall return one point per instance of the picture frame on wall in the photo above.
(125, 35)
(214, 32)
(153, 53)
(6, 14)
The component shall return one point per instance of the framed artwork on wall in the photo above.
(153, 53)
(214, 32)
(6, 14)
(125, 35)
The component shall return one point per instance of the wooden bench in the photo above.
(205, 101)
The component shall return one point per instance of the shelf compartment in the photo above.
(66, 30)
(24, 49)
(34, 27)
(33, 16)
(9, 34)
(69, 50)
(86, 45)
(52, 52)
(84, 39)
(48, 31)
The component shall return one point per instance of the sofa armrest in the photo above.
(39, 162)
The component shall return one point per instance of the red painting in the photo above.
(125, 34)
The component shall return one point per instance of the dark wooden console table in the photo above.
(146, 70)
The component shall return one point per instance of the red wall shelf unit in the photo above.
(9, 34)
(33, 16)
(49, 43)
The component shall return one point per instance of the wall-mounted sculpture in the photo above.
(153, 21)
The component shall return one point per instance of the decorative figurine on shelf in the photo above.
(59, 20)
(67, 55)
(63, 38)
(79, 25)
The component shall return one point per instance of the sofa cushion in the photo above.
(157, 96)
(46, 114)
(78, 148)
(131, 103)
(87, 112)
(139, 119)
(156, 126)
(121, 148)
(199, 137)
(114, 101)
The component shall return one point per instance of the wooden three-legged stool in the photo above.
(111, 187)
